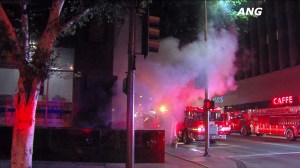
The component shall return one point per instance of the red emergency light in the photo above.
(208, 104)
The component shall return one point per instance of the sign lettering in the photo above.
(218, 99)
(250, 11)
(283, 100)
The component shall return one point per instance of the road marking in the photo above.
(185, 159)
(275, 143)
(193, 149)
(229, 146)
(281, 145)
(265, 154)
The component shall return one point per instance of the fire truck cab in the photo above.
(192, 128)
(240, 122)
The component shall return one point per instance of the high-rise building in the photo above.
(269, 57)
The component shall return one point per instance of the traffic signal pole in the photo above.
(131, 86)
(206, 125)
(206, 91)
(151, 34)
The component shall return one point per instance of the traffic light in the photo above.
(208, 104)
(150, 34)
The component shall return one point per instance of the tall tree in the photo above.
(17, 21)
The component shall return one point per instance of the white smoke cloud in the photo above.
(173, 68)
(168, 77)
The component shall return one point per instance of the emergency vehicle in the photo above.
(280, 117)
(284, 121)
(240, 122)
(192, 128)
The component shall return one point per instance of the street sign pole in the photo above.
(206, 91)
(131, 86)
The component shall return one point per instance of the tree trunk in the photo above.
(23, 132)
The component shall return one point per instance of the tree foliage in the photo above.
(75, 14)
(101, 11)
(185, 19)
(29, 29)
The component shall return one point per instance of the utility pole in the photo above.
(131, 86)
(206, 91)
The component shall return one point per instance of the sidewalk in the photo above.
(196, 156)
(170, 163)
(172, 160)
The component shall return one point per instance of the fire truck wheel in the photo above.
(244, 131)
(185, 137)
(259, 134)
(290, 135)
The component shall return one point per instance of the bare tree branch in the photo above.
(56, 10)
(11, 34)
(53, 27)
(75, 19)
(24, 38)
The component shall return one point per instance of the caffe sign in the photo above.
(286, 100)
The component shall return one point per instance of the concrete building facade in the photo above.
(269, 65)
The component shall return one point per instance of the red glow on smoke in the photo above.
(86, 130)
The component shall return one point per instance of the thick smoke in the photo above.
(169, 77)
(177, 77)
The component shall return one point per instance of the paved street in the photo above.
(240, 151)
(236, 152)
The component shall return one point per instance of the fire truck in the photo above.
(282, 121)
(192, 128)
(240, 122)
